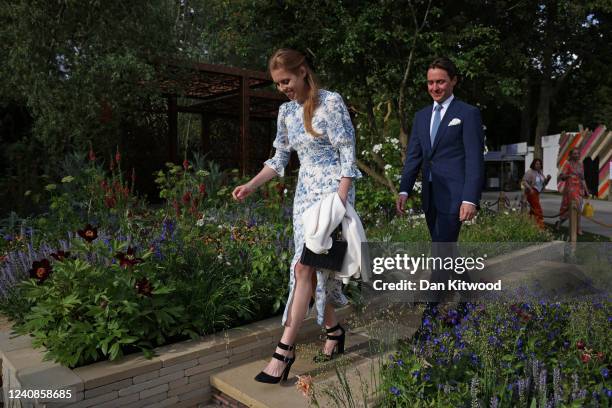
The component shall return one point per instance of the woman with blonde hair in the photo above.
(316, 124)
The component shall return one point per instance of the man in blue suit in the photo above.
(447, 143)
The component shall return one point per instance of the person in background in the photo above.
(574, 189)
(534, 183)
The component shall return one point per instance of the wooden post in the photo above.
(501, 202)
(573, 222)
(244, 124)
(172, 128)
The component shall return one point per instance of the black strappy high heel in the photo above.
(338, 348)
(267, 378)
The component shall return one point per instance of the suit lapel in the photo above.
(448, 116)
(426, 126)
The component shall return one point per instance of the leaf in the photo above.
(162, 290)
(114, 351)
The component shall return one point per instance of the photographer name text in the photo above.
(451, 284)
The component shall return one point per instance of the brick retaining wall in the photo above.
(178, 375)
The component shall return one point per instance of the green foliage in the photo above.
(487, 227)
(374, 205)
(509, 226)
(147, 277)
(85, 312)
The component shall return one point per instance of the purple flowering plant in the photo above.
(506, 355)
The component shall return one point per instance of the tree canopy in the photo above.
(72, 73)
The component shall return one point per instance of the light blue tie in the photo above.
(436, 123)
(434, 127)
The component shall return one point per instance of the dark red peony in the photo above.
(89, 233)
(128, 258)
(41, 270)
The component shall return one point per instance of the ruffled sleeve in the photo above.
(342, 135)
(281, 144)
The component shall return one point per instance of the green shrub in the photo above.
(82, 311)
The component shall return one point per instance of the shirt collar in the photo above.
(445, 103)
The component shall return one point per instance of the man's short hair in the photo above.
(445, 64)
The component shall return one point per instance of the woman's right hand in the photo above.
(242, 192)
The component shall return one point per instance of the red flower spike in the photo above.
(202, 188)
(585, 358)
(144, 287)
(600, 356)
(186, 164)
(109, 201)
(176, 207)
(186, 197)
(117, 156)
(580, 345)
(89, 233)
(91, 154)
(128, 259)
(60, 255)
(41, 270)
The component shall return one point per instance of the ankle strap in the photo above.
(284, 359)
(284, 346)
(333, 329)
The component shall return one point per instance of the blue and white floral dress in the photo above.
(324, 160)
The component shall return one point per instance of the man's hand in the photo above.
(467, 212)
(400, 204)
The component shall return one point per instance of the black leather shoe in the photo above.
(338, 348)
(269, 379)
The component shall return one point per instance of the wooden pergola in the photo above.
(218, 91)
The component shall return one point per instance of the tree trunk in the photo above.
(526, 115)
(543, 115)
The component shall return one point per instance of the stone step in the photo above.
(238, 383)
(364, 349)
(553, 278)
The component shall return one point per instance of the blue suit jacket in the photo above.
(455, 161)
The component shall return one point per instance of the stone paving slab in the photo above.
(359, 361)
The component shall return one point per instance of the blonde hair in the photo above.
(291, 60)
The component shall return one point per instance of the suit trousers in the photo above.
(444, 230)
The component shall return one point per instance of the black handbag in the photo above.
(332, 259)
